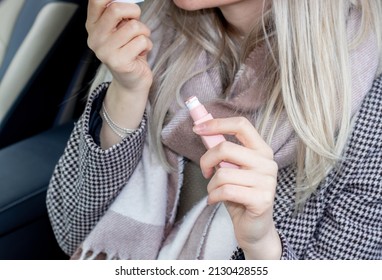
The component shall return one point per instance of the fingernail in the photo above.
(199, 128)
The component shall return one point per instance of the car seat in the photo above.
(42, 43)
(45, 67)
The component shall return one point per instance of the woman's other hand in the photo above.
(121, 42)
(248, 192)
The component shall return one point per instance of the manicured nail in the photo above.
(199, 128)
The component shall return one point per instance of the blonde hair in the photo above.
(297, 32)
(313, 93)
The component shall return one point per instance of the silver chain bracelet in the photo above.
(120, 131)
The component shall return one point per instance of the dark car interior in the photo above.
(45, 72)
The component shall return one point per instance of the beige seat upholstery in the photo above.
(41, 43)
(44, 60)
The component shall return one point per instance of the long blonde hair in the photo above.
(297, 33)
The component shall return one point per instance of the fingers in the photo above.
(125, 60)
(102, 21)
(130, 31)
(242, 186)
(253, 185)
(242, 156)
(241, 128)
(247, 178)
(117, 36)
(255, 201)
(253, 190)
(118, 12)
(96, 8)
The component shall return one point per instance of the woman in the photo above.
(291, 85)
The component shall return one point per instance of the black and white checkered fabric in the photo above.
(87, 179)
(342, 220)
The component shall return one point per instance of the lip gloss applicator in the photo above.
(200, 114)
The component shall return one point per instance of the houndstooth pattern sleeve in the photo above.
(87, 179)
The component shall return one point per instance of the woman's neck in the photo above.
(244, 15)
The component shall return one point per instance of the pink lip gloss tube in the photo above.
(200, 114)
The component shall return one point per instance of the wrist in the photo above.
(125, 107)
(267, 248)
(140, 85)
(122, 132)
(137, 91)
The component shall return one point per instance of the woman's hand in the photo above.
(248, 192)
(121, 42)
